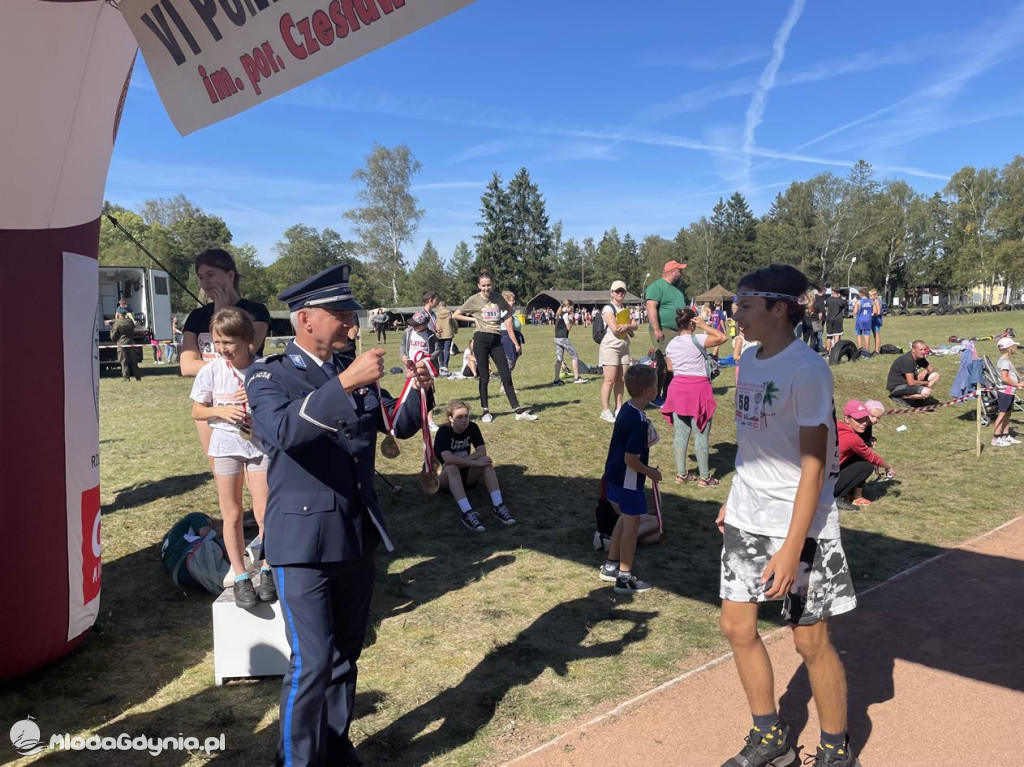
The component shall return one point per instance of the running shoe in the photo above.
(503, 515)
(471, 519)
(606, 415)
(833, 757)
(1011, 440)
(765, 749)
(245, 594)
(486, 418)
(608, 574)
(580, 380)
(525, 415)
(631, 585)
(558, 382)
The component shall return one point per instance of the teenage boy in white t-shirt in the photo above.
(780, 523)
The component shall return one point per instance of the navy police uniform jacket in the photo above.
(321, 444)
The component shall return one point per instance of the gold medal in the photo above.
(429, 482)
(389, 447)
(435, 466)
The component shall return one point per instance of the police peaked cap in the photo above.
(327, 290)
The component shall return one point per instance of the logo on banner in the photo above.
(25, 737)
(92, 562)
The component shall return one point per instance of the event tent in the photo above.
(552, 299)
(717, 293)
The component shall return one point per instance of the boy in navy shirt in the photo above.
(624, 473)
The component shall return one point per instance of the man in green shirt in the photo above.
(662, 298)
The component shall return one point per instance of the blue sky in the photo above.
(634, 115)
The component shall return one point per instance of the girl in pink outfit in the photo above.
(690, 402)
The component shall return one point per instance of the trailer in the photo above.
(148, 294)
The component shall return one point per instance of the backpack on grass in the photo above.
(890, 349)
(194, 554)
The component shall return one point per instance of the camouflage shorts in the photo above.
(823, 586)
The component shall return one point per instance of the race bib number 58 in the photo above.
(749, 402)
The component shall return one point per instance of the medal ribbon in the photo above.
(246, 418)
(428, 443)
(656, 492)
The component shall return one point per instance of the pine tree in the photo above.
(494, 245)
(428, 274)
(461, 274)
(530, 235)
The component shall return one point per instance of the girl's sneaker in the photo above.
(486, 418)
(503, 515)
(606, 415)
(471, 519)
(1011, 440)
(631, 585)
(1000, 442)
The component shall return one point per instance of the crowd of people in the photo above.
(300, 430)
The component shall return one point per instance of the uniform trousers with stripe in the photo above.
(326, 608)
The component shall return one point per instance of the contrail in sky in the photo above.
(755, 112)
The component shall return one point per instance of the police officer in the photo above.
(318, 415)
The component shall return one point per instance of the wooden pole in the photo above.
(977, 418)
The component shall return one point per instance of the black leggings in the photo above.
(852, 474)
(489, 345)
(382, 334)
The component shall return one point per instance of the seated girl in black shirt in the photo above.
(460, 447)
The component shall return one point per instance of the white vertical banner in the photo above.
(81, 440)
(210, 60)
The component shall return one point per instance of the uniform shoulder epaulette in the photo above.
(271, 358)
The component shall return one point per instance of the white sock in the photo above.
(496, 498)
(464, 505)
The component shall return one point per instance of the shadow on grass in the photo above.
(147, 492)
(554, 640)
(151, 635)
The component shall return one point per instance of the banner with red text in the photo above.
(211, 59)
(81, 440)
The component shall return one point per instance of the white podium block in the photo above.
(248, 643)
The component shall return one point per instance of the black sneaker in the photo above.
(833, 757)
(267, 591)
(844, 505)
(764, 749)
(245, 594)
(608, 574)
(631, 585)
(471, 519)
(503, 515)
(558, 382)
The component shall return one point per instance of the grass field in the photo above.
(481, 646)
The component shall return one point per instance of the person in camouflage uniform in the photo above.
(122, 333)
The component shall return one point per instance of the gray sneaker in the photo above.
(471, 519)
(765, 749)
(608, 574)
(631, 585)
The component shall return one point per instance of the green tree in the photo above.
(608, 260)
(656, 251)
(389, 216)
(972, 195)
(428, 274)
(530, 234)
(305, 251)
(1008, 223)
(461, 275)
(258, 285)
(494, 245)
(570, 266)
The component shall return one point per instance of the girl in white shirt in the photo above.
(689, 401)
(219, 398)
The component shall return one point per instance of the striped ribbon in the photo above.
(656, 492)
(930, 408)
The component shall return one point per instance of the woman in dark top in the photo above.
(218, 279)
(492, 316)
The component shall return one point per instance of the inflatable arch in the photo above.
(64, 71)
(65, 66)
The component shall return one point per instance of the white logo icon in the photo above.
(25, 737)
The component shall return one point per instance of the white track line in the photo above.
(626, 705)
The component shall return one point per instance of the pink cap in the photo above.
(855, 409)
